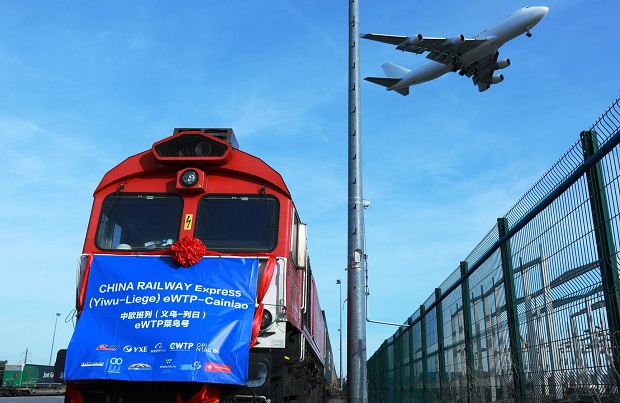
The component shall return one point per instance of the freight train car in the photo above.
(26, 379)
(195, 284)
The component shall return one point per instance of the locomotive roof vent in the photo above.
(211, 146)
(226, 135)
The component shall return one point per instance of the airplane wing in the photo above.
(481, 72)
(442, 50)
(391, 39)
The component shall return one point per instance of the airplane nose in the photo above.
(541, 11)
(537, 13)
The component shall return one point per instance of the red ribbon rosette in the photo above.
(188, 251)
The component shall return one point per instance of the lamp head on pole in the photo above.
(338, 281)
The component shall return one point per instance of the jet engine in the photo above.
(502, 64)
(414, 40)
(457, 39)
(497, 79)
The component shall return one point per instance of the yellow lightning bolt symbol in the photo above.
(188, 221)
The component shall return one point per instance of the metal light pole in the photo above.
(340, 308)
(356, 308)
(54, 337)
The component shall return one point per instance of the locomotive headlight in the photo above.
(266, 321)
(189, 178)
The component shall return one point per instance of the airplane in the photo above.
(475, 57)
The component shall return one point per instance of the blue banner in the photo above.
(146, 319)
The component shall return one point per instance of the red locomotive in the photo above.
(195, 196)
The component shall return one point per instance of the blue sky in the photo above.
(83, 85)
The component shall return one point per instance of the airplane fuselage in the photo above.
(422, 74)
(517, 23)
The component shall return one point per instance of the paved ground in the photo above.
(33, 399)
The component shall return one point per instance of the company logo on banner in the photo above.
(144, 319)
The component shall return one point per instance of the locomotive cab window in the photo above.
(139, 221)
(238, 223)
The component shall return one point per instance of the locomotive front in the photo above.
(194, 283)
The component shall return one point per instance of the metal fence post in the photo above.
(413, 381)
(469, 352)
(398, 366)
(512, 314)
(604, 246)
(424, 363)
(440, 339)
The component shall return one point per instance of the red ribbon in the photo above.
(82, 295)
(209, 393)
(265, 281)
(74, 395)
(188, 251)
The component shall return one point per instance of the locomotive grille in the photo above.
(191, 145)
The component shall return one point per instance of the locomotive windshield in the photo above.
(238, 223)
(139, 221)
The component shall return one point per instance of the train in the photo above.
(195, 283)
(27, 379)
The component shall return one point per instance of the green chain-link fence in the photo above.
(533, 313)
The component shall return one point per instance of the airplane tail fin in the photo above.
(403, 91)
(394, 73)
(388, 82)
(393, 70)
